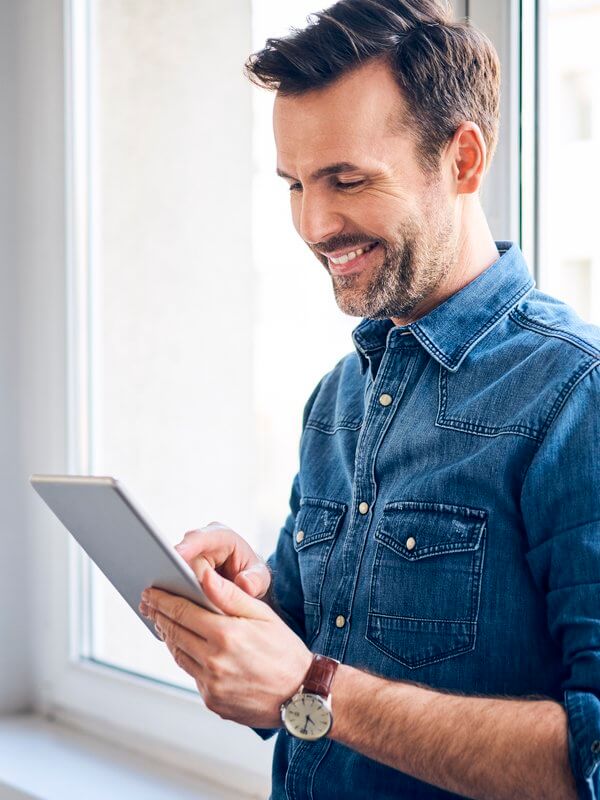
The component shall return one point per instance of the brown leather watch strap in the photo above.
(320, 675)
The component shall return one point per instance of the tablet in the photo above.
(119, 538)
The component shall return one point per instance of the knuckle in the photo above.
(178, 612)
(213, 665)
(210, 700)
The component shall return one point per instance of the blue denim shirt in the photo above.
(448, 494)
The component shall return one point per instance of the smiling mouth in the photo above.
(352, 254)
(346, 266)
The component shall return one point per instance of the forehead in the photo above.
(350, 120)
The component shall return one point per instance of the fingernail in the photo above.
(145, 596)
(180, 546)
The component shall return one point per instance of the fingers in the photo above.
(210, 542)
(233, 600)
(219, 547)
(199, 564)
(202, 623)
(255, 580)
(176, 636)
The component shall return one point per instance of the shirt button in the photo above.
(596, 747)
(299, 536)
(385, 399)
(410, 543)
(363, 507)
(340, 621)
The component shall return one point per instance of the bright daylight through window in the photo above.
(570, 154)
(203, 351)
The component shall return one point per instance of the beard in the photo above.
(414, 264)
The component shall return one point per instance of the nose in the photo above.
(317, 218)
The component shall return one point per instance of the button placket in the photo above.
(376, 421)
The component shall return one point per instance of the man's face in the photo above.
(356, 185)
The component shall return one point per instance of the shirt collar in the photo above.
(449, 331)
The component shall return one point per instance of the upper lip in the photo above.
(339, 253)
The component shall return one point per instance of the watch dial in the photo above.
(307, 716)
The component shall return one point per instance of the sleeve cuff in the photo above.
(265, 733)
(583, 712)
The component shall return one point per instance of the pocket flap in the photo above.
(316, 521)
(416, 530)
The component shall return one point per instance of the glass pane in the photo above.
(211, 320)
(570, 147)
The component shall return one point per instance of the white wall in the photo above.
(32, 258)
(14, 605)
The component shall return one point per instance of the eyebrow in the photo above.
(324, 172)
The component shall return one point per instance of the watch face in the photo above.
(307, 716)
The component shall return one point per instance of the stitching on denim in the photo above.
(426, 505)
(424, 619)
(524, 321)
(452, 362)
(475, 428)
(314, 766)
(475, 579)
(560, 402)
(424, 661)
(331, 516)
(425, 552)
(324, 427)
(332, 505)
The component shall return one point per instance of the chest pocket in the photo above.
(426, 581)
(317, 523)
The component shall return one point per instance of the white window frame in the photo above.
(92, 696)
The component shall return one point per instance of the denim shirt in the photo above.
(444, 523)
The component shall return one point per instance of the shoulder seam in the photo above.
(557, 333)
(584, 370)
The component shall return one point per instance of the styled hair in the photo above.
(448, 71)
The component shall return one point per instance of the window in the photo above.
(199, 324)
(208, 330)
(569, 153)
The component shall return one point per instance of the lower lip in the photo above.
(356, 265)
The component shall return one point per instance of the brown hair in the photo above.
(448, 71)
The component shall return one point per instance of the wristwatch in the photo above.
(307, 715)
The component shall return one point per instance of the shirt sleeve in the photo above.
(286, 589)
(561, 510)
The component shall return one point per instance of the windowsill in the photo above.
(45, 760)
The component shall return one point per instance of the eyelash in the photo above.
(295, 187)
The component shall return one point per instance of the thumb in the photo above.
(254, 580)
(232, 600)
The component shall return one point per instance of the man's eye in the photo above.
(295, 187)
(348, 185)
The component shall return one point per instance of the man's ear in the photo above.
(469, 158)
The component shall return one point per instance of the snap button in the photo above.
(363, 507)
(340, 621)
(385, 399)
(299, 536)
(410, 543)
(596, 746)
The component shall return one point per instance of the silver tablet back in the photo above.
(119, 538)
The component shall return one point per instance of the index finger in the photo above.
(189, 615)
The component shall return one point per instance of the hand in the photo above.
(245, 662)
(220, 548)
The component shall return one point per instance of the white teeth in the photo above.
(351, 255)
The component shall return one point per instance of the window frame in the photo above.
(95, 697)
(72, 688)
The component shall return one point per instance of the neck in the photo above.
(475, 251)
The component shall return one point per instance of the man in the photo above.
(443, 542)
